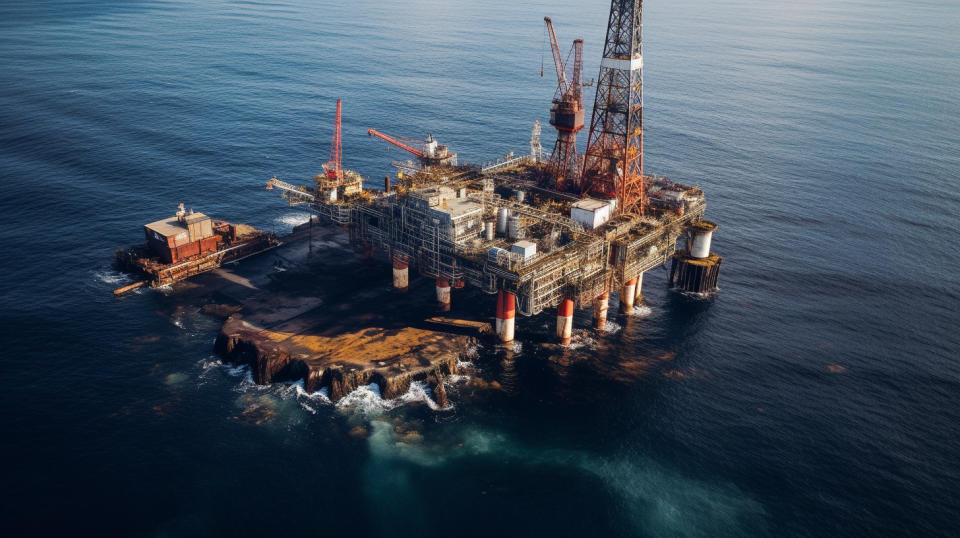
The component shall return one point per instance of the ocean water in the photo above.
(817, 394)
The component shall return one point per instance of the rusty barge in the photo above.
(188, 244)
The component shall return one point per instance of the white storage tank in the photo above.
(502, 215)
(699, 236)
(488, 230)
(513, 227)
(430, 147)
(497, 253)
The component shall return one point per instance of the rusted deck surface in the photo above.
(346, 334)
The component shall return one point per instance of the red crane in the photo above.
(333, 167)
(557, 60)
(566, 115)
(429, 152)
(396, 141)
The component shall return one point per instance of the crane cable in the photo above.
(541, 50)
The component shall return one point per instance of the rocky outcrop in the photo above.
(346, 359)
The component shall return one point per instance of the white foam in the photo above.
(290, 220)
(241, 370)
(581, 338)
(641, 311)
(112, 277)
(322, 395)
(366, 400)
(455, 379)
(419, 392)
(612, 327)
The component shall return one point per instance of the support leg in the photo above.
(627, 295)
(443, 294)
(565, 321)
(600, 306)
(401, 273)
(506, 312)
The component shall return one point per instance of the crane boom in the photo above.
(577, 69)
(395, 142)
(557, 60)
(334, 167)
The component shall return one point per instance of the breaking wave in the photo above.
(366, 401)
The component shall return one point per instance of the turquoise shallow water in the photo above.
(824, 133)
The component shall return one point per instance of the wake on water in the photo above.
(657, 500)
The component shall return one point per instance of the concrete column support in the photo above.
(600, 306)
(565, 321)
(401, 273)
(443, 294)
(638, 298)
(506, 312)
(628, 293)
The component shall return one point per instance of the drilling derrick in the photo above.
(334, 182)
(333, 168)
(566, 115)
(613, 162)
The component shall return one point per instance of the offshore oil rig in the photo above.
(541, 233)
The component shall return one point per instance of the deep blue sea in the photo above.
(816, 394)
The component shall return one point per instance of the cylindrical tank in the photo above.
(520, 195)
(430, 147)
(699, 235)
(502, 215)
(495, 254)
(488, 230)
(513, 227)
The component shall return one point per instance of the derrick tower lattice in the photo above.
(613, 161)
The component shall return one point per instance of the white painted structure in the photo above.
(591, 213)
(527, 249)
